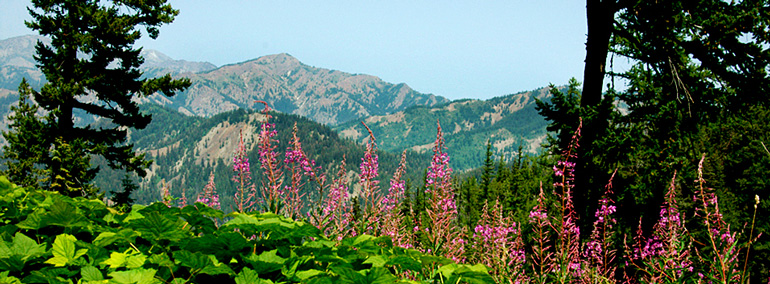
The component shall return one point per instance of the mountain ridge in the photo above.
(290, 86)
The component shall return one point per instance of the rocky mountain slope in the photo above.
(508, 121)
(326, 96)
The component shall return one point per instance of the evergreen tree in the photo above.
(23, 154)
(486, 175)
(92, 66)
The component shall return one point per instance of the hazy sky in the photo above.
(456, 49)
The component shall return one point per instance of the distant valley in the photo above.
(196, 129)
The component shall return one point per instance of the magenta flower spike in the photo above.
(441, 231)
(394, 223)
(244, 197)
(299, 166)
(209, 195)
(664, 256)
(599, 252)
(272, 191)
(370, 189)
(497, 243)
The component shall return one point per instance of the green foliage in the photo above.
(161, 244)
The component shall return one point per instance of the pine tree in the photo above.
(92, 66)
(23, 154)
(486, 175)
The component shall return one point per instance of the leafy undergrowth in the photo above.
(50, 238)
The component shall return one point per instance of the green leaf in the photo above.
(135, 276)
(380, 275)
(129, 259)
(64, 251)
(405, 262)
(201, 263)
(4, 278)
(468, 274)
(124, 236)
(305, 274)
(91, 273)
(22, 249)
(375, 261)
(266, 262)
(65, 215)
(155, 227)
(349, 275)
(248, 276)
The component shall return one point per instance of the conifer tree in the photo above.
(92, 67)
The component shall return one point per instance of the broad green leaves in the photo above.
(15, 255)
(46, 237)
(64, 251)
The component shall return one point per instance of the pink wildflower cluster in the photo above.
(664, 256)
(499, 245)
(542, 256)
(209, 195)
(245, 195)
(335, 216)
(723, 263)
(272, 192)
(600, 254)
(394, 223)
(372, 211)
(299, 165)
(568, 264)
(442, 233)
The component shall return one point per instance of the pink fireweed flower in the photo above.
(297, 163)
(498, 243)
(568, 244)
(244, 198)
(372, 209)
(334, 217)
(665, 254)
(599, 251)
(209, 195)
(272, 193)
(723, 265)
(394, 223)
(441, 210)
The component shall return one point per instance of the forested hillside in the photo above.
(510, 123)
(187, 149)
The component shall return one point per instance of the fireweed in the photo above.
(497, 243)
(599, 254)
(335, 214)
(394, 222)
(664, 257)
(209, 195)
(722, 242)
(299, 166)
(369, 223)
(567, 254)
(245, 194)
(542, 257)
(272, 193)
(441, 230)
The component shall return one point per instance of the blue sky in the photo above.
(456, 49)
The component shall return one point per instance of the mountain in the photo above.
(326, 96)
(187, 149)
(508, 121)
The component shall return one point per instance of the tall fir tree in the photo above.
(92, 66)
